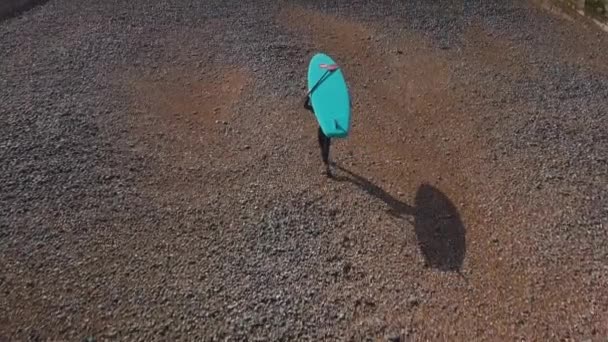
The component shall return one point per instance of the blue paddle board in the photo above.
(329, 96)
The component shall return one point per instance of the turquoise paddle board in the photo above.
(329, 96)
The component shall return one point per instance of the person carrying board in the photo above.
(329, 100)
(324, 141)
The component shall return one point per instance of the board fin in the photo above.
(337, 125)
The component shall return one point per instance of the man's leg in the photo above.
(325, 152)
(321, 138)
(324, 144)
(326, 156)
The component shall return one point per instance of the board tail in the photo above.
(343, 132)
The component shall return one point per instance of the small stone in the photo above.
(393, 338)
(111, 334)
(413, 301)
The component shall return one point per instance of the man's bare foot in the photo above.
(328, 171)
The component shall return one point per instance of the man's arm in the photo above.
(307, 103)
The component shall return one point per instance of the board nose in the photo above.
(330, 67)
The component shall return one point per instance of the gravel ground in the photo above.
(150, 190)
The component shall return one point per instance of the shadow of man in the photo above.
(439, 230)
